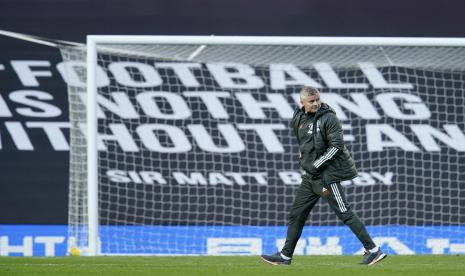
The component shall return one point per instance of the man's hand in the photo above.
(325, 192)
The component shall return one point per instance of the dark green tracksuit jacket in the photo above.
(322, 150)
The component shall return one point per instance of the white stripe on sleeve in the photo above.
(325, 157)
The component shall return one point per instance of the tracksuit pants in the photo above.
(305, 199)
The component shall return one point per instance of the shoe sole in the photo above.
(380, 258)
(271, 263)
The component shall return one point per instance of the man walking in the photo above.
(326, 162)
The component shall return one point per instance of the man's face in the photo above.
(311, 103)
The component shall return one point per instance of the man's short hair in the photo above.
(307, 91)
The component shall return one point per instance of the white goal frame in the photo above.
(94, 40)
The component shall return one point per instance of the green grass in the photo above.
(212, 266)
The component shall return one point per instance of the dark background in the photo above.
(33, 185)
(74, 19)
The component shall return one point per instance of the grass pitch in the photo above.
(210, 266)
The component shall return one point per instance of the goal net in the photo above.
(195, 154)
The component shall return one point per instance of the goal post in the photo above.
(92, 153)
(195, 145)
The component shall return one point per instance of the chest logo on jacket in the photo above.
(310, 127)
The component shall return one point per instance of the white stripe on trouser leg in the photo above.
(343, 209)
(338, 197)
